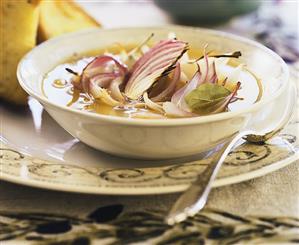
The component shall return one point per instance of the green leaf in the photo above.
(205, 97)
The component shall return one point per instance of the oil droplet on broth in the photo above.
(59, 83)
(70, 91)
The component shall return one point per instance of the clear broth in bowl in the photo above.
(58, 87)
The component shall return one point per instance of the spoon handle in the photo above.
(195, 197)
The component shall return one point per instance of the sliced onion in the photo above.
(204, 69)
(152, 105)
(171, 87)
(178, 98)
(209, 66)
(76, 81)
(103, 60)
(212, 75)
(115, 90)
(105, 67)
(206, 73)
(173, 110)
(208, 70)
(101, 94)
(153, 64)
(103, 80)
(156, 49)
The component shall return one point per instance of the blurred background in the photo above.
(272, 22)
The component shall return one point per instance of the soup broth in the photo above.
(59, 86)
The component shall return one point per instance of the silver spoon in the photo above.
(195, 197)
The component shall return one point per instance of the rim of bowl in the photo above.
(157, 122)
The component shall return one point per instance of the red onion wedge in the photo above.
(115, 90)
(168, 92)
(173, 110)
(206, 73)
(101, 71)
(207, 69)
(152, 105)
(102, 95)
(76, 79)
(155, 63)
(178, 99)
(102, 80)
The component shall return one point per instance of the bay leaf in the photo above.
(206, 96)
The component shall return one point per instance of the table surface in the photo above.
(275, 195)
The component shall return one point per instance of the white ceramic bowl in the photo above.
(158, 138)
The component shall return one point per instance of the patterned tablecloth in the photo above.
(262, 210)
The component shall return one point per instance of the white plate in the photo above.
(35, 151)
